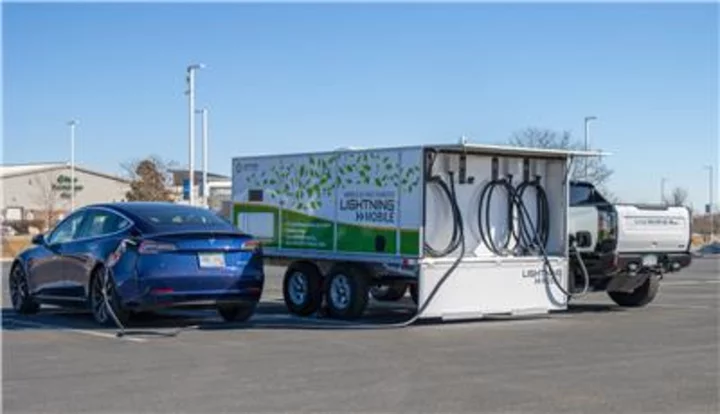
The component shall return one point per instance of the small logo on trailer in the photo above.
(541, 276)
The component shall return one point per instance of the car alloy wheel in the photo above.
(22, 301)
(98, 306)
(18, 288)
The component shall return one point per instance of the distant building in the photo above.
(42, 191)
(219, 187)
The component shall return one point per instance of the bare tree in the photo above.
(47, 196)
(150, 180)
(598, 172)
(677, 198)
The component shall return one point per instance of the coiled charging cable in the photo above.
(484, 206)
(534, 236)
(542, 224)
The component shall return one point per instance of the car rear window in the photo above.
(163, 217)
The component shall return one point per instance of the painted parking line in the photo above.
(671, 306)
(691, 283)
(75, 330)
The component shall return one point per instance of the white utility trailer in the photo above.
(472, 230)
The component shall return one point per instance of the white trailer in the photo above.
(473, 230)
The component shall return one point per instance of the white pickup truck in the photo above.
(626, 248)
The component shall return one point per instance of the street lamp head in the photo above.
(196, 66)
(590, 118)
(72, 122)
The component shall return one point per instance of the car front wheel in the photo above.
(22, 301)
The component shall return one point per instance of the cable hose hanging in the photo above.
(523, 210)
(457, 232)
(542, 225)
(484, 219)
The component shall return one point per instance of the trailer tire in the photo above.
(641, 296)
(302, 288)
(389, 293)
(346, 291)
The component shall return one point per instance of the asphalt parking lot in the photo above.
(595, 358)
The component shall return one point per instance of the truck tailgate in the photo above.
(653, 228)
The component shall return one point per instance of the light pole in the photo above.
(204, 118)
(191, 128)
(72, 125)
(587, 140)
(662, 190)
(710, 204)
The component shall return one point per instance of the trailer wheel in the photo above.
(641, 296)
(346, 292)
(302, 288)
(389, 293)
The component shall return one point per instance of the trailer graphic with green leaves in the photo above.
(352, 201)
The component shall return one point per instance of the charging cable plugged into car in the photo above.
(112, 260)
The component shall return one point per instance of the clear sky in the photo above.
(288, 77)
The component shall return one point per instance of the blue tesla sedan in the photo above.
(174, 256)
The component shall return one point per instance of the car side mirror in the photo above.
(38, 239)
(583, 239)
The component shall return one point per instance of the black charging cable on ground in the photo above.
(456, 241)
(113, 258)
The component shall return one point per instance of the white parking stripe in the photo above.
(671, 306)
(690, 283)
(64, 328)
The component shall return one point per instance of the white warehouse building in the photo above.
(42, 191)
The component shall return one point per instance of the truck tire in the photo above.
(389, 293)
(302, 288)
(346, 292)
(641, 296)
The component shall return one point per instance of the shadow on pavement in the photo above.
(593, 308)
(270, 315)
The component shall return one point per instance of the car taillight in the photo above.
(153, 247)
(251, 246)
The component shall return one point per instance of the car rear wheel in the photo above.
(98, 305)
(641, 296)
(302, 289)
(22, 301)
(236, 313)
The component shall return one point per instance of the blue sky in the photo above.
(288, 77)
